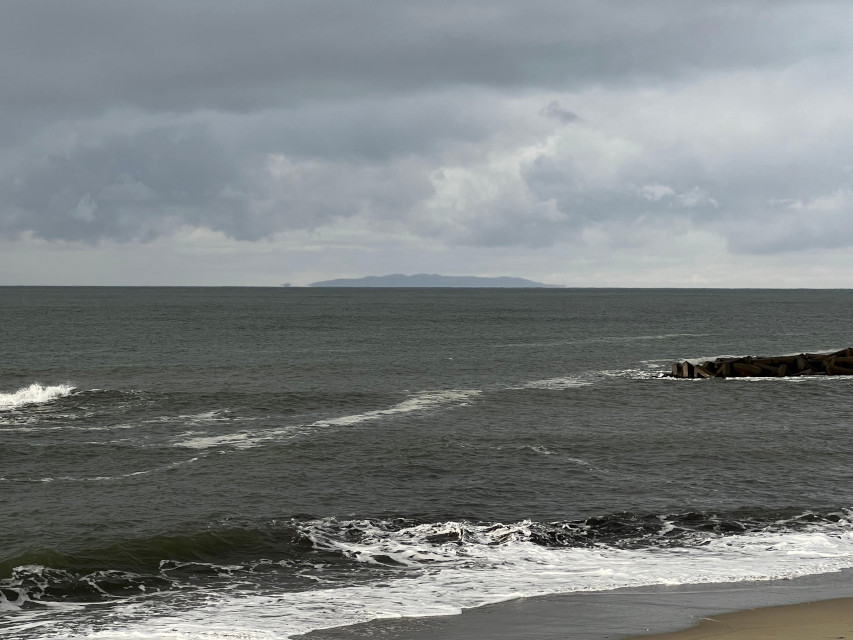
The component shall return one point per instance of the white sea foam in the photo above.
(653, 370)
(132, 474)
(215, 415)
(494, 564)
(241, 440)
(632, 374)
(34, 394)
(556, 384)
(818, 379)
(589, 378)
(423, 401)
(545, 451)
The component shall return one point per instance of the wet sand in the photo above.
(812, 621)
(636, 612)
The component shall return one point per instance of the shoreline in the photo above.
(812, 620)
(655, 612)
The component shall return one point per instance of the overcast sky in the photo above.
(585, 143)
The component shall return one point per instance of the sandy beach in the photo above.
(735, 611)
(810, 621)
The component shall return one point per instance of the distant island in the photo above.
(435, 280)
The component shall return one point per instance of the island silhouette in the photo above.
(434, 280)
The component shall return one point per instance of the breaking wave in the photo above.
(34, 394)
(329, 568)
(423, 401)
(558, 384)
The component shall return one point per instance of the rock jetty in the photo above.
(839, 363)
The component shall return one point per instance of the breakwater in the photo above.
(838, 363)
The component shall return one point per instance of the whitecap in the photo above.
(478, 565)
(426, 400)
(631, 374)
(423, 401)
(240, 440)
(214, 415)
(556, 384)
(34, 394)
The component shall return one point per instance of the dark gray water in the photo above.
(270, 461)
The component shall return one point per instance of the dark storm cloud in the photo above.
(126, 121)
(128, 187)
(182, 55)
(139, 186)
(554, 110)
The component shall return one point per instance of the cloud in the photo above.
(555, 111)
(175, 56)
(475, 126)
(125, 187)
(656, 192)
(788, 225)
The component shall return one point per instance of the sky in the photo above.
(653, 143)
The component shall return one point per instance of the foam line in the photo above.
(424, 401)
(421, 402)
(494, 564)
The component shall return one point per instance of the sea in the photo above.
(266, 462)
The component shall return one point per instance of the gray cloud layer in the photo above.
(487, 124)
(260, 54)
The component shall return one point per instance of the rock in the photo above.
(703, 371)
(839, 363)
(745, 369)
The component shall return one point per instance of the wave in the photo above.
(34, 394)
(205, 417)
(339, 572)
(222, 543)
(620, 531)
(461, 565)
(653, 369)
(413, 542)
(121, 476)
(357, 570)
(422, 401)
(241, 440)
(557, 384)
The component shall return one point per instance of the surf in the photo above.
(34, 394)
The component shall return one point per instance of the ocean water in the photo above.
(260, 463)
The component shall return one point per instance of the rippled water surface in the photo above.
(271, 461)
